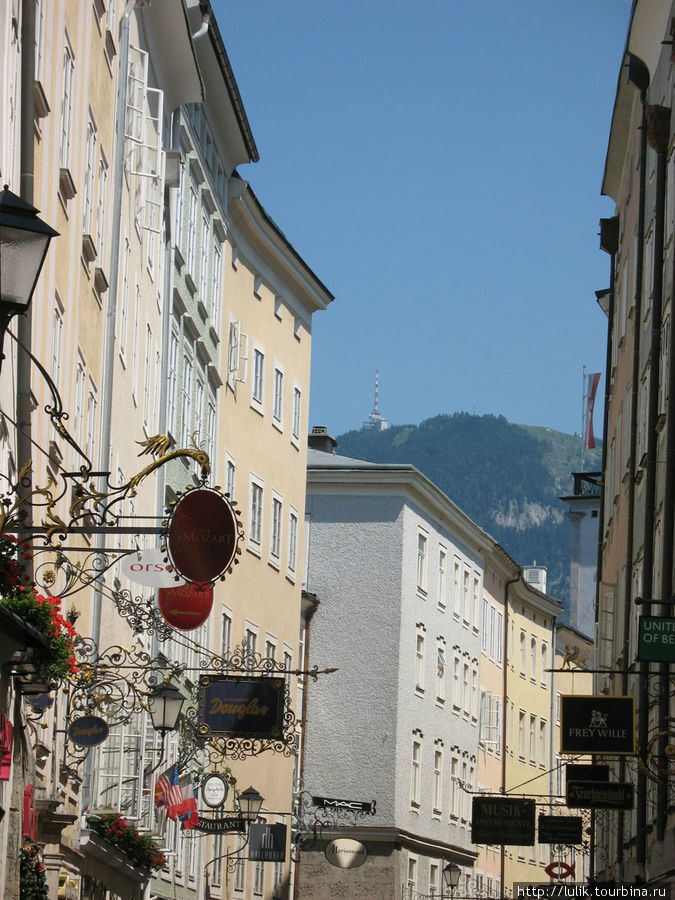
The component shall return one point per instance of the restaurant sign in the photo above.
(502, 820)
(656, 639)
(225, 825)
(88, 731)
(240, 706)
(560, 830)
(600, 795)
(203, 535)
(597, 724)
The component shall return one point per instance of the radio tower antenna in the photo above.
(375, 420)
(376, 413)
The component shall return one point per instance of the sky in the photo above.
(438, 165)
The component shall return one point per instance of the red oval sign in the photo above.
(187, 606)
(203, 535)
(560, 869)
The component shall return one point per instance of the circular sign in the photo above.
(203, 535)
(559, 869)
(148, 567)
(214, 790)
(344, 853)
(187, 606)
(88, 731)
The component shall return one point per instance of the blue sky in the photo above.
(438, 164)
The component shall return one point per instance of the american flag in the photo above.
(168, 792)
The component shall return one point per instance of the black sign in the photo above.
(600, 795)
(242, 707)
(220, 826)
(502, 820)
(560, 830)
(267, 843)
(597, 724)
(358, 806)
(577, 772)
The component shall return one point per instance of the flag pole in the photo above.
(584, 413)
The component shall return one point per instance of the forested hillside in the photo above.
(507, 477)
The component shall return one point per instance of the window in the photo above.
(204, 256)
(523, 659)
(124, 304)
(66, 106)
(80, 386)
(542, 743)
(465, 596)
(456, 697)
(533, 658)
(92, 403)
(229, 478)
(438, 781)
(433, 879)
(226, 633)
(211, 427)
(557, 707)
(258, 877)
(147, 376)
(275, 543)
(258, 377)
(412, 876)
(278, 395)
(544, 663)
(474, 692)
(186, 395)
(521, 734)
(56, 341)
(484, 631)
(500, 638)
(134, 356)
(475, 596)
(442, 563)
(288, 665)
(455, 588)
(179, 205)
(90, 165)
(415, 779)
(465, 688)
(419, 661)
(250, 646)
(270, 649)
(440, 672)
(255, 523)
(216, 285)
(421, 562)
(533, 740)
(192, 230)
(292, 540)
(454, 788)
(297, 410)
(239, 873)
(100, 207)
(173, 378)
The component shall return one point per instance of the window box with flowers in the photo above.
(141, 849)
(54, 650)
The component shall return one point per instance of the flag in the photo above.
(187, 809)
(591, 390)
(168, 792)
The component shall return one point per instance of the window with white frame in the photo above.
(475, 601)
(230, 471)
(297, 412)
(543, 755)
(147, 376)
(124, 303)
(239, 880)
(277, 409)
(533, 658)
(92, 406)
(192, 230)
(456, 689)
(523, 654)
(66, 106)
(80, 388)
(484, 626)
(421, 562)
(442, 579)
(419, 659)
(200, 390)
(90, 168)
(533, 740)
(57, 333)
(292, 540)
(211, 414)
(440, 670)
(456, 587)
(544, 663)
(204, 255)
(256, 513)
(463, 797)
(438, 780)
(275, 540)
(118, 769)
(465, 688)
(250, 645)
(454, 787)
(258, 383)
(226, 633)
(216, 282)
(258, 877)
(101, 198)
(278, 881)
(415, 773)
(412, 877)
(521, 733)
(433, 879)
(134, 355)
(474, 691)
(270, 648)
(172, 392)
(500, 637)
(288, 665)
(466, 596)
(186, 392)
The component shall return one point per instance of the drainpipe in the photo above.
(505, 685)
(638, 74)
(204, 27)
(111, 316)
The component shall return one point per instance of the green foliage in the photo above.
(508, 478)
(44, 614)
(141, 849)
(32, 880)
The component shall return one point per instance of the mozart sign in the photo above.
(239, 706)
(187, 606)
(203, 535)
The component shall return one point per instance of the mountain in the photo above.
(507, 477)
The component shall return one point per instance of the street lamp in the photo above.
(164, 707)
(250, 802)
(451, 875)
(24, 241)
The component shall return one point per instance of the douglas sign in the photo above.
(242, 707)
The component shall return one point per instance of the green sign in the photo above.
(656, 641)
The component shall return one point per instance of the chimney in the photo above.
(319, 439)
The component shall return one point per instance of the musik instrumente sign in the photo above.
(597, 724)
(241, 706)
(203, 534)
(502, 820)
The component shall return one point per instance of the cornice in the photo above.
(416, 842)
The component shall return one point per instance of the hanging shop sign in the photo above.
(267, 843)
(600, 795)
(149, 567)
(202, 535)
(225, 825)
(187, 606)
(239, 706)
(560, 869)
(597, 724)
(88, 731)
(559, 830)
(656, 639)
(579, 772)
(502, 820)
(369, 807)
(344, 853)
(214, 790)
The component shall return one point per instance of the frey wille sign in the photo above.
(203, 535)
(502, 820)
(243, 707)
(597, 724)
